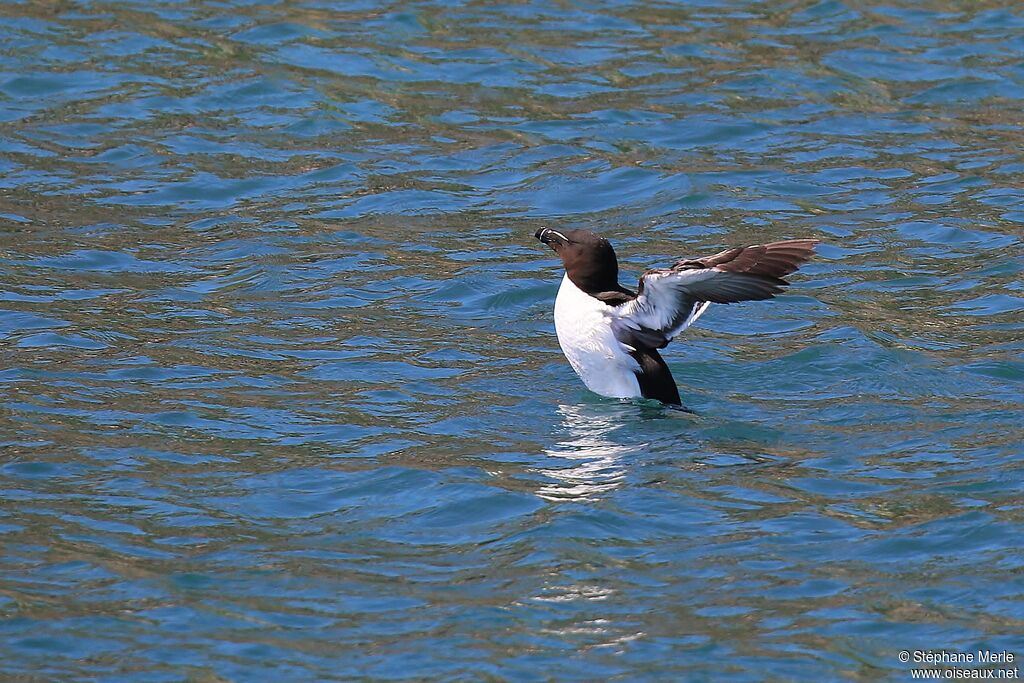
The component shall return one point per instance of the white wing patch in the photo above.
(698, 311)
(664, 309)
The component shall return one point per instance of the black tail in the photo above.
(655, 378)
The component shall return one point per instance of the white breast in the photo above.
(585, 335)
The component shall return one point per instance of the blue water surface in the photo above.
(282, 399)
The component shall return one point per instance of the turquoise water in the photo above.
(282, 399)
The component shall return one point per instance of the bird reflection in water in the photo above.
(594, 460)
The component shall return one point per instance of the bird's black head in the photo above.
(589, 259)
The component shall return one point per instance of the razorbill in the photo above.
(611, 335)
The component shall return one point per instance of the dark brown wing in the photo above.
(669, 300)
(774, 260)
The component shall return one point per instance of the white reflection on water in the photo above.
(594, 459)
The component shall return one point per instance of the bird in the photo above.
(611, 335)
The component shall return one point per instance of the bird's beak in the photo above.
(549, 236)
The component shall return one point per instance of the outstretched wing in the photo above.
(669, 300)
